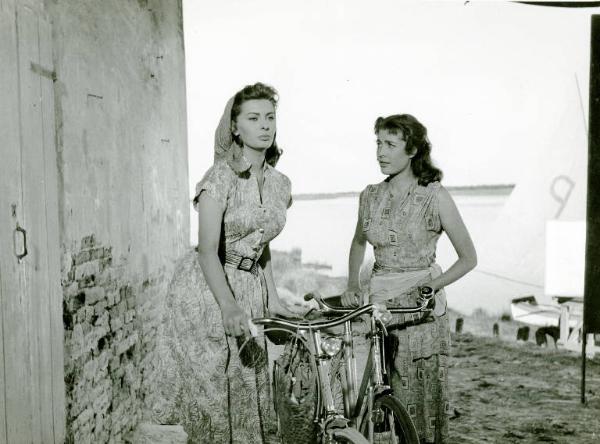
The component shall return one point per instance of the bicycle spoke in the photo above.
(392, 426)
(387, 421)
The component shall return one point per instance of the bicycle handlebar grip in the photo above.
(427, 295)
(317, 298)
(253, 328)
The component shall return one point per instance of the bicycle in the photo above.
(373, 414)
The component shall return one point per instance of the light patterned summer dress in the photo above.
(404, 231)
(218, 394)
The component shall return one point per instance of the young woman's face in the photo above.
(255, 125)
(391, 153)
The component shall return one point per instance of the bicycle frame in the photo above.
(372, 383)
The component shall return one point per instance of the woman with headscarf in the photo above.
(219, 394)
(403, 218)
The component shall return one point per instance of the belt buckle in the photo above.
(246, 264)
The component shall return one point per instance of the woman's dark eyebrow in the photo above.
(258, 114)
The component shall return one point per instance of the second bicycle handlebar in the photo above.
(351, 313)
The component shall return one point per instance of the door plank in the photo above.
(34, 220)
(55, 297)
(9, 172)
(17, 399)
(34, 205)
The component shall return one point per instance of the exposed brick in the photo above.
(79, 317)
(121, 307)
(117, 376)
(74, 298)
(87, 281)
(88, 242)
(117, 297)
(70, 290)
(125, 292)
(86, 269)
(116, 321)
(97, 253)
(110, 298)
(89, 369)
(127, 343)
(105, 263)
(100, 309)
(131, 302)
(99, 425)
(111, 286)
(103, 277)
(89, 314)
(85, 416)
(129, 315)
(109, 346)
(93, 295)
(114, 363)
(103, 360)
(77, 341)
(82, 257)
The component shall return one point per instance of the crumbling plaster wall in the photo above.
(123, 204)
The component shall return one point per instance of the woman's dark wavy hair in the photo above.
(258, 91)
(415, 135)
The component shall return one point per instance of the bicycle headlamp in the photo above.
(331, 345)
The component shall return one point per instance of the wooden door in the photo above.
(32, 399)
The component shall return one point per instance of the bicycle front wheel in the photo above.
(349, 435)
(388, 422)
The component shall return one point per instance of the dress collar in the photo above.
(238, 162)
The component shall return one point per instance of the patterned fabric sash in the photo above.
(385, 286)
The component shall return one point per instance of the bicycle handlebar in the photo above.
(351, 313)
(427, 302)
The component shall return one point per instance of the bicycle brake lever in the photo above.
(315, 296)
(382, 314)
(253, 328)
(385, 332)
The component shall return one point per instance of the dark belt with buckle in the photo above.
(242, 263)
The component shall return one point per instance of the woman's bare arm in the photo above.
(458, 234)
(210, 216)
(355, 260)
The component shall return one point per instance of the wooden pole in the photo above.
(583, 346)
(591, 296)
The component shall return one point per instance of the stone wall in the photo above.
(123, 199)
(110, 331)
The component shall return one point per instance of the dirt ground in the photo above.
(504, 391)
(509, 391)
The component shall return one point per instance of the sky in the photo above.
(490, 80)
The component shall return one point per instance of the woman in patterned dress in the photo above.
(402, 218)
(219, 394)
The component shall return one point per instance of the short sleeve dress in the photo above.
(404, 231)
(219, 393)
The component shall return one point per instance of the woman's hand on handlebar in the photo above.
(352, 297)
(290, 305)
(235, 320)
